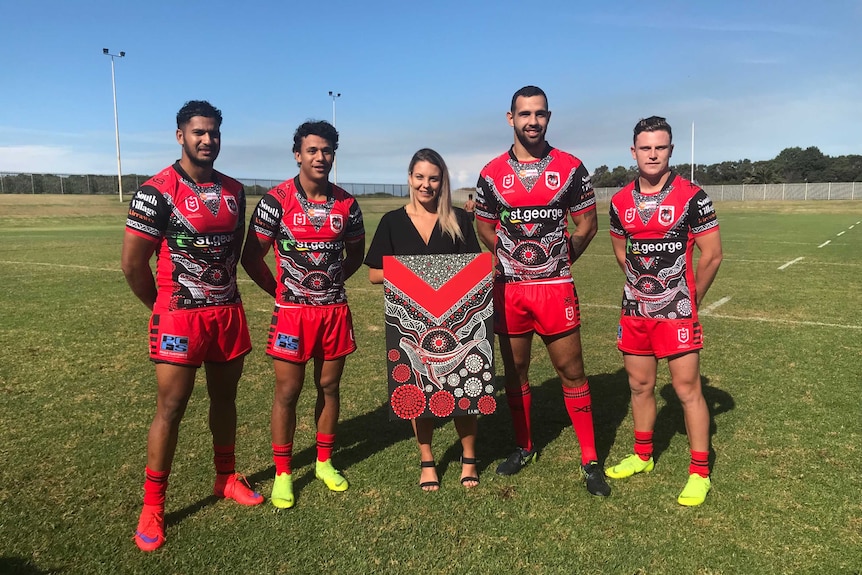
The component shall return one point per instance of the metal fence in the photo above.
(755, 192)
(19, 183)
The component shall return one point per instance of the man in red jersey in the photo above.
(656, 221)
(193, 218)
(524, 199)
(319, 240)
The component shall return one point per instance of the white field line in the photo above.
(790, 263)
(598, 306)
(826, 243)
(708, 309)
(851, 227)
(841, 233)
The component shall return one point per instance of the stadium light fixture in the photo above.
(107, 52)
(334, 95)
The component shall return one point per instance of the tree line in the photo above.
(792, 165)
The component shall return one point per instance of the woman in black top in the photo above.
(429, 224)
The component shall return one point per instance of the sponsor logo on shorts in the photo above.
(287, 343)
(665, 215)
(683, 335)
(570, 313)
(174, 345)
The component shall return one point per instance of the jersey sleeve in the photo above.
(149, 213)
(266, 217)
(701, 214)
(486, 200)
(616, 225)
(583, 197)
(381, 244)
(355, 225)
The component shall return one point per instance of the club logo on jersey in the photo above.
(508, 181)
(682, 334)
(298, 219)
(552, 180)
(665, 215)
(192, 204)
(336, 222)
(231, 205)
(630, 215)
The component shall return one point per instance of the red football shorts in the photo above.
(299, 332)
(658, 337)
(191, 337)
(524, 307)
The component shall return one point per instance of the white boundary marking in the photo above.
(715, 304)
(598, 306)
(841, 233)
(790, 263)
(827, 242)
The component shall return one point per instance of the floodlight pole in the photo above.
(122, 54)
(334, 95)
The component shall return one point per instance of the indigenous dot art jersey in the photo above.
(199, 231)
(309, 240)
(530, 203)
(659, 230)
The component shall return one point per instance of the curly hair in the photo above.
(194, 108)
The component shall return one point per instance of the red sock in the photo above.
(580, 408)
(520, 401)
(325, 444)
(282, 455)
(224, 459)
(699, 463)
(155, 486)
(643, 444)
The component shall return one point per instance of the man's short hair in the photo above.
(528, 92)
(652, 124)
(319, 128)
(194, 108)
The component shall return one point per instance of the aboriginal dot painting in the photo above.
(439, 335)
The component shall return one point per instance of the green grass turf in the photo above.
(781, 364)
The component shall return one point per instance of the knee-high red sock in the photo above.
(325, 444)
(643, 444)
(224, 459)
(155, 486)
(699, 463)
(282, 456)
(520, 401)
(580, 408)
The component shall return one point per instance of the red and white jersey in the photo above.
(199, 232)
(309, 240)
(530, 203)
(659, 230)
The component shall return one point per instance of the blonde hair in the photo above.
(446, 218)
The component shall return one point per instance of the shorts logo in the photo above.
(683, 334)
(570, 313)
(231, 205)
(299, 219)
(174, 344)
(192, 204)
(552, 180)
(619, 332)
(289, 343)
(336, 222)
(630, 215)
(508, 181)
(665, 215)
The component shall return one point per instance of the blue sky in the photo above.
(754, 78)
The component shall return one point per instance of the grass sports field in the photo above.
(783, 324)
